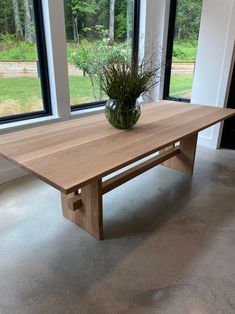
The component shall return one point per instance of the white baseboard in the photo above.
(10, 174)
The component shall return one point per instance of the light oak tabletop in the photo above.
(70, 154)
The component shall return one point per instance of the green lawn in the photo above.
(24, 90)
(23, 94)
(19, 89)
(25, 51)
(181, 85)
(184, 52)
(80, 90)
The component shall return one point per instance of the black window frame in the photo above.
(135, 53)
(43, 71)
(169, 55)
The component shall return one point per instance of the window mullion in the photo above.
(57, 59)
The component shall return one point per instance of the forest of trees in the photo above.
(188, 16)
(83, 19)
(88, 18)
(16, 19)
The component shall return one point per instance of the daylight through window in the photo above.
(23, 92)
(98, 33)
(185, 16)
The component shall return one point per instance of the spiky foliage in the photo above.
(125, 82)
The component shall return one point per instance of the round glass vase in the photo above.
(122, 117)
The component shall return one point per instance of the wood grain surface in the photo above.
(90, 215)
(71, 154)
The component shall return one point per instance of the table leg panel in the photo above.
(184, 161)
(90, 215)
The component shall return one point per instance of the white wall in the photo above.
(9, 172)
(153, 36)
(53, 13)
(215, 48)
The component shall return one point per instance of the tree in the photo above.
(129, 17)
(80, 9)
(27, 21)
(82, 18)
(188, 16)
(18, 27)
(124, 20)
(6, 17)
(111, 20)
(103, 13)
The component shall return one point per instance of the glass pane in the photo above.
(19, 81)
(188, 16)
(98, 32)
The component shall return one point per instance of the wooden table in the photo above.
(75, 155)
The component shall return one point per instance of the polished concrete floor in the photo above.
(169, 247)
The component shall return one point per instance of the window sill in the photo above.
(25, 124)
(86, 112)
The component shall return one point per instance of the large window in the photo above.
(98, 32)
(24, 94)
(184, 23)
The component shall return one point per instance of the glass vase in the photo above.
(121, 116)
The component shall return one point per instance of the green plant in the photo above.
(7, 41)
(125, 82)
(178, 52)
(92, 56)
(184, 51)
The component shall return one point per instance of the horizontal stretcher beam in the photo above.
(75, 202)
